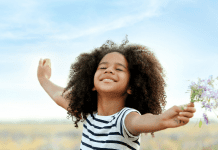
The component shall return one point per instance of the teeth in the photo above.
(108, 80)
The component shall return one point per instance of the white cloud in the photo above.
(34, 22)
(112, 24)
(29, 20)
(115, 24)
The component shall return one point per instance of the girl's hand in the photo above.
(44, 69)
(172, 117)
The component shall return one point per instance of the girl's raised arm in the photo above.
(53, 90)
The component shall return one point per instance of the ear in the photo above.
(93, 89)
(129, 91)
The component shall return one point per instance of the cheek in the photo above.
(126, 79)
(96, 77)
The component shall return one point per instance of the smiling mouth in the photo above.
(108, 80)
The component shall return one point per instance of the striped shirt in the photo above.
(109, 132)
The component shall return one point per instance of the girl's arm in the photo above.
(53, 90)
(146, 123)
(171, 118)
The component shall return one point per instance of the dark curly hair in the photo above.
(146, 81)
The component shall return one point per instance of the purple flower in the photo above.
(205, 87)
(205, 118)
(207, 92)
(214, 94)
(207, 106)
(203, 95)
(200, 87)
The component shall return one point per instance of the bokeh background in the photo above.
(183, 34)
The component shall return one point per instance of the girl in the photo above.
(119, 93)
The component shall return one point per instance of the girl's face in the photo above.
(113, 66)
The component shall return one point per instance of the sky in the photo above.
(183, 34)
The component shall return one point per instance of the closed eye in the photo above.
(106, 68)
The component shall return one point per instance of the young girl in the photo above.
(119, 93)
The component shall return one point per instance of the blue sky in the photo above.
(183, 34)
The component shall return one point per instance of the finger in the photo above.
(40, 62)
(178, 121)
(43, 63)
(186, 114)
(191, 104)
(182, 107)
(178, 109)
(48, 62)
(188, 105)
(182, 122)
(185, 119)
(190, 109)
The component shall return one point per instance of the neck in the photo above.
(109, 104)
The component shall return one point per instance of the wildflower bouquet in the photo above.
(204, 92)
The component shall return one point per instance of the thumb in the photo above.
(40, 62)
(182, 107)
(48, 62)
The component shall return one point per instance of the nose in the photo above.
(109, 70)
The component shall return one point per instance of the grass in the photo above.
(67, 137)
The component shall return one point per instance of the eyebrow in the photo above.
(115, 63)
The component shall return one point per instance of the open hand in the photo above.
(172, 117)
(44, 69)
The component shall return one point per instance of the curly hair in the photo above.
(146, 81)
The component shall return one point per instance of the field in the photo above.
(67, 137)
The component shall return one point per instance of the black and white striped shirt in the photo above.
(109, 132)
